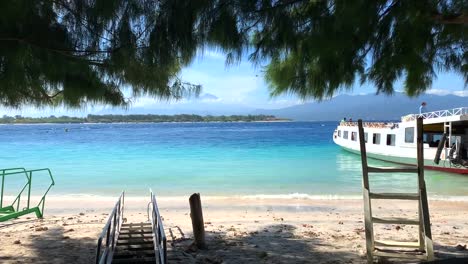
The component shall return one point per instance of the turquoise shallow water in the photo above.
(290, 158)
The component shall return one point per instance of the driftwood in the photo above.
(197, 220)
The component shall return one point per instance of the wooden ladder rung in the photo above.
(400, 221)
(395, 196)
(408, 169)
(399, 254)
(411, 244)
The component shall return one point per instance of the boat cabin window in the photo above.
(354, 136)
(376, 139)
(365, 137)
(391, 140)
(433, 140)
(409, 135)
(345, 134)
(339, 133)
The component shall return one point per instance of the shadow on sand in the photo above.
(54, 246)
(273, 244)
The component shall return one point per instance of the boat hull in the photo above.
(408, 161)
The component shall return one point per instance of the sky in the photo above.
(226, 88)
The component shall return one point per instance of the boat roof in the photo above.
(440, 116)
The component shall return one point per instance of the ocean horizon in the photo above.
(255, 160)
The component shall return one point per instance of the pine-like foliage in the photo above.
(77, 52)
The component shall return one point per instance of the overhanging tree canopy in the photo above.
(77, 52)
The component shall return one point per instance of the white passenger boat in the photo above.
(445, 139)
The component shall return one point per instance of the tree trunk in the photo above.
(197, 220)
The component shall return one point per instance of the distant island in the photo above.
(138, 119)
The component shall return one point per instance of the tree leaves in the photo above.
(75, 52)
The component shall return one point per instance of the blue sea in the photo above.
(293, 159)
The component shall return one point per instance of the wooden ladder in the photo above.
(392, 249)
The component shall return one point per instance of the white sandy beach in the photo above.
(239, 230)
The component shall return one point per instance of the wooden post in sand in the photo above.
(197, 220)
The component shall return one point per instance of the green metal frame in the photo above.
(13, 210)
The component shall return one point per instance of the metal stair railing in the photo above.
(39, 208)
(111, 233)
(3, 172)
(159, 236)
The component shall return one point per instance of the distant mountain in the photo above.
(205, 104)
(208, 97)
(367, 107)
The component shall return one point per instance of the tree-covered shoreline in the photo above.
(149, 118)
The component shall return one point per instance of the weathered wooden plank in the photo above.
(399, 244)
(409, 255)
(395, 220)
(197, 220)
(395, 196)
(406, 169)
(424, 207)
(369, 230)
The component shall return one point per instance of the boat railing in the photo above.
(437, 114)
(107, 240)
(390, 125)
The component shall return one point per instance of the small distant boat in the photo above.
(445, 139)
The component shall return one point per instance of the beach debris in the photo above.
(66, 237)
(70, 218)
(455, 227)
(256, 221)
(211, 260)
(69, 230)
(192, 248)
(7, 235)
(359, 230)
(460, 247)
(81, 213)
(307, 225)
(17, 242)
(263, 254)
(208, 223)
(310, 234)
(41, 228)
(398, 227)
(340, 222)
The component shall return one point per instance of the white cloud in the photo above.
(210, 54)
(463, 93)
(228, 88)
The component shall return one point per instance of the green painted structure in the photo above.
(14, 210)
